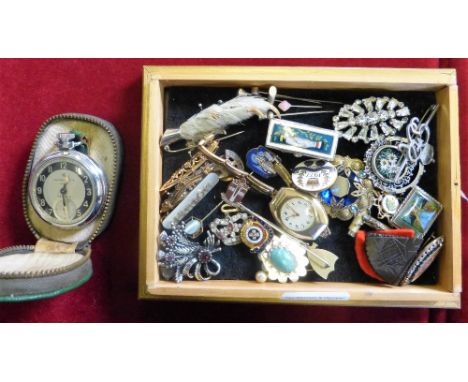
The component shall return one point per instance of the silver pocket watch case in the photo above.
(61, 258)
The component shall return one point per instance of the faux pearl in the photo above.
(261, 277)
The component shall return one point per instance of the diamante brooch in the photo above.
(365, 117)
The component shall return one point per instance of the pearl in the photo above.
(261, 277)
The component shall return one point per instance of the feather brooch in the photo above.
(216, 118)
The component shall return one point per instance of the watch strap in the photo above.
(283, 172)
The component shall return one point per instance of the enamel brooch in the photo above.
(387, 168)
(418, 211)
(395, 164)
(301, 140)
(255, 235)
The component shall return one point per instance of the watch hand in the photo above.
(66, 210)
(63, 191)
(294, 211)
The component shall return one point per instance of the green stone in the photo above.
(283, 260)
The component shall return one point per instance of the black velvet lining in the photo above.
(237, 264)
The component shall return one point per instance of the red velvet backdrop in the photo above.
(32, 90)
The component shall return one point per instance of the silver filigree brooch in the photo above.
(181, 257)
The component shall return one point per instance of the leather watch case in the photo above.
(61, 258)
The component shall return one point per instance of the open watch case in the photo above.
(69, 193)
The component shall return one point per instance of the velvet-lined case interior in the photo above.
(237, 263)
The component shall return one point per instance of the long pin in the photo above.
(283, 96)
(272, 91)
(429, 114)
(303, 106)
(212, 211)
(168, 149)
(202, 220)
(272, 225)
(309, 112)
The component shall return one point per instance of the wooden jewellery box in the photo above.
(72, 175)
(443, 291)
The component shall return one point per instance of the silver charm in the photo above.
(369, 114)
(387, 205)
(178, 256)
(314, 175)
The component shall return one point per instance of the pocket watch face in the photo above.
(66, 189)
(297, 214)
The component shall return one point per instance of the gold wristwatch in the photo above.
(298, 213)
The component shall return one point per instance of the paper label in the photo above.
(316, 296)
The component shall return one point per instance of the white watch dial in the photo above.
(297, 215)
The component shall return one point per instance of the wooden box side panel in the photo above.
(448, 163)
(316, 293)
(306, 77)
(151, 177)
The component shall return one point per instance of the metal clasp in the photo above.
(66, 141)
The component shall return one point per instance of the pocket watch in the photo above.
(67, 188)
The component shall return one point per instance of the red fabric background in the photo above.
(32, 90)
